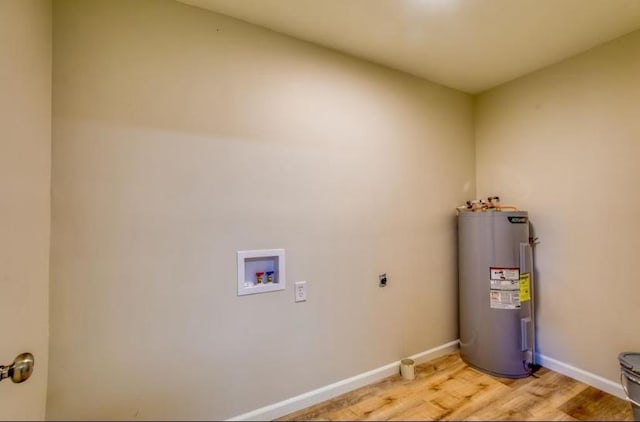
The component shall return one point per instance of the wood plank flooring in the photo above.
(448, 389)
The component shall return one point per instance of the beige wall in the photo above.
(182, 136)
(564, 143)
(25, 164)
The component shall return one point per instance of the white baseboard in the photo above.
(589, 378)
(327, 392)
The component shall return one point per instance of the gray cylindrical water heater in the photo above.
(495, 266)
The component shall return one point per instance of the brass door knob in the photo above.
(20, 370)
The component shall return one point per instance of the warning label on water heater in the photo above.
(504, 288)
(525, 287)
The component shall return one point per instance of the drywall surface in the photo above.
(563, 143)
(181, 137)
(25, 175)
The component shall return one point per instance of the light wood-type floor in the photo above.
(448, 389)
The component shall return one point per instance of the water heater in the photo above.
(495, 266)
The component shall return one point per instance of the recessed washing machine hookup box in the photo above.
(260, 271)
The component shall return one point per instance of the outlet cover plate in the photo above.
(300, 291)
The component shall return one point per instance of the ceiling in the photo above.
(469, 45)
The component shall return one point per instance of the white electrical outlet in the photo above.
(300, 291)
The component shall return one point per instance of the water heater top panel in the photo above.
(513, 216)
